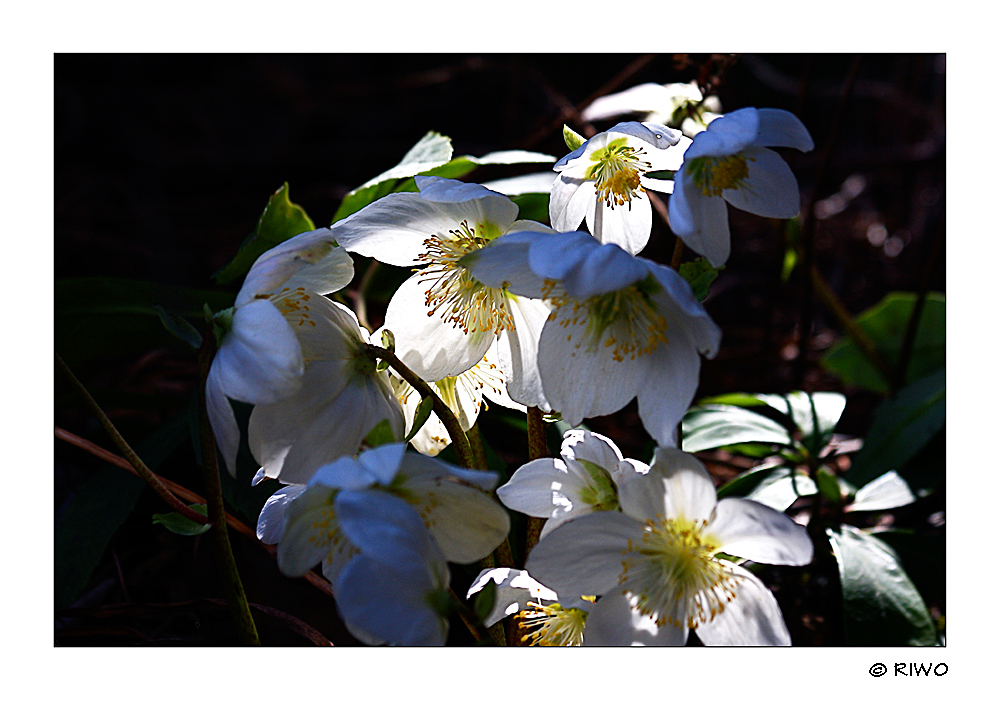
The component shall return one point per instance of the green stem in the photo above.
(458, 438)
(238, 604)
(126, 450)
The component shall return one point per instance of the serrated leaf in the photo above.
(881, 605)
(572, 139)
(280, 220)
(885, 324)
(423, 411)
(181, 525)
(179, 327)
(901, 427)
(431, 151)
(710, 427)
(699, 274)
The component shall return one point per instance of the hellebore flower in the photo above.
(544, 620)
(342, 397)
(585, 479)
(621, 327)
(679, 105)
(655, 568)
(729, 162)
(603, 181)
(259, 359)
(443, 319)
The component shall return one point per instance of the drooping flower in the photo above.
(342, 397)
(679, 105)
(604, 182)
(463, 394)
(443, 319)
(259, 359)
(621, 327)
(583, 480)
(656, 568)
(730, 162)
(382, 526)
(543, 619)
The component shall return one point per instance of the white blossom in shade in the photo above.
(655, 565)
(730, 162)
(604, 182)
(329, 520)
(443, 319)
(621, 327)
(582, 480)
(259, 359)
(341, 398)
(540, 616)
(679, 105)
(463, 394)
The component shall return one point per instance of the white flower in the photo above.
(544, 620)
(383, 526)
(621, 327)
(443, 319)
(341, 398)
(729, 162)
(655, 569)
(584, 480)
(679, 105)
(259, 359)
(604, 182)
(463, 394)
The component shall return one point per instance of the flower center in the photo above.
(673, 577)
(713, 175)
(616, 171)
(462, 300)
(626, 321)
(551, 625)
(293, 304)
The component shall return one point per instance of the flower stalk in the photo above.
(238, 604)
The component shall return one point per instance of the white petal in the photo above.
(770, 189)
(701, 221)
(271, 521)
(259, 359)
(517, 354)
(586, 269)
(726, 135)
(668, 391)
(592, 447)
(745, 528)
(428, 345)
(628, 226)
(781, 128)
(571, 200)
(615, 622)
(532, 488)
(683, 311)
(222, 419)
(584, 555)
(690, 493)
(383, 526)
(376, 466)
(514, 589)
(752, 618)
(504, 263)
(647, 97)
(309, 260)
(310, 533)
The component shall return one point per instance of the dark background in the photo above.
(163, 165)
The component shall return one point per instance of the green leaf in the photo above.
(885, 324)
(779, 491)
(281, 220)
(423, 411)
(102, 318)
(816, 416)
(431, 151)
(572, 139)
(179, 327)
(881, 605)
(485, 600)
(743, 484)
(902, 426)
(699, 274)
(181, 525)
(715, 426)
(381, 433)
(828, 485)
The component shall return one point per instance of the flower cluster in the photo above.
(570, 322)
